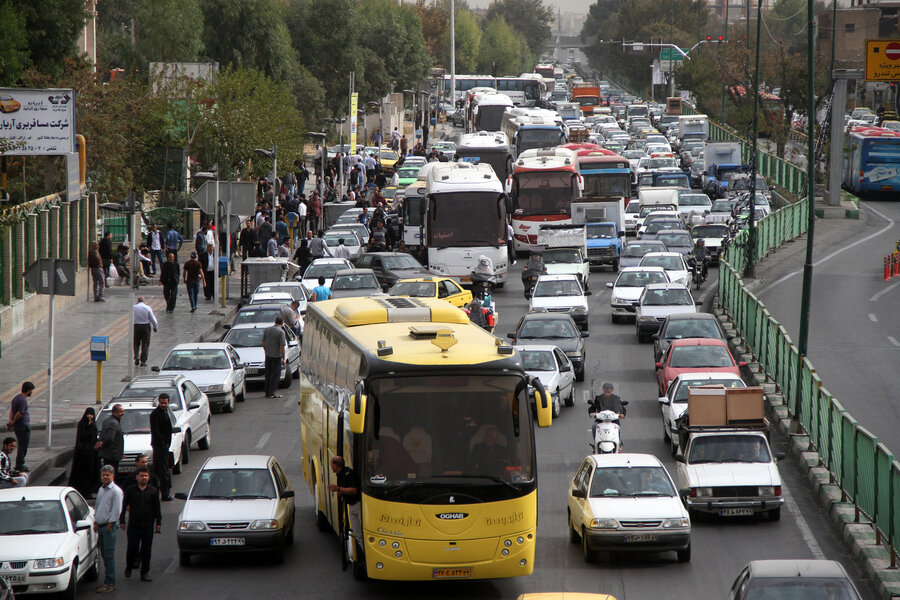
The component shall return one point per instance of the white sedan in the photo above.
(214, 367)
(246, 339)
(675, 403)
(323, 267)
(673, 263)
(628, 287)
(554, 369)
(626, 503)
(135, 426)
(561, 293)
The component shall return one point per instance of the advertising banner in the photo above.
(42, 120)
(354, 103)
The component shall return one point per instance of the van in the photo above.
(654, 196)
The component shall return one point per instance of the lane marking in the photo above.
(263, 440)
(288, 402)
(171, 567)
(884, 291)
(873, 318)
(805, 530)
(893, 340)
(836, 252)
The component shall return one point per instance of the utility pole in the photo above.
(453, 53)
(750, 268)
(726, 41)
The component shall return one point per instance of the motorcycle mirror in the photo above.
(624, 402)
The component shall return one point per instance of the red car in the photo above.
(695, 355)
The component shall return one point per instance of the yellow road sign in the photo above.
(882, 60)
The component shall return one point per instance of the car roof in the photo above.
(37, 492)
(561, 277)
(422, 279)
(241, 461)
(280, 284)
(671, 231)
(328, 261)
(625, 459)
(642, 270)
(699, 342)
(126, 406)
(271, 296)
(546, 316)
(202, 346)
(797, 568)
(706, 376)
(141, 379)
(249, 326)
(665, 286)
(536, 347)
(662, 254)
(255, 307)
(692, 316)
(354, 272)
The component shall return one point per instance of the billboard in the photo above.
(42, 120)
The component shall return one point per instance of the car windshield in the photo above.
(548, 328)
(327, 271)
(640, 249)
(361, 281)
(640, 278)
(244, 338)
(722, 206)
(196, 360)
(669, 263)
(646, 210)
(398, 263)
(676, 240)
(670, 181)
(631, 481)
(233, 484)
(632, 154)
(691, 328)
(730, 448)
(333, 240)
(667, 297)
(148, 390)
(694, 357)
(408, 172)
(710, 231)
(633, 208)
(264, 315)
(537, 360)
(601, 232)
(694, 200)
(132, 421)
(681, 394)
(661, 163)
(800, 588)
(661, 225)
(416, 289)
(31, 517)
(550, 289)
(561, 256)
(295, 291)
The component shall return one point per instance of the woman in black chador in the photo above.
(85, 475)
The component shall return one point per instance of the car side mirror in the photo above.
(742, 363)
(680, 458)
(588, 293)
(585, 334)
(181, 496)
(698, 302)
(659, 365)
(82, 525)
(193, 406)
(621, 234)
(511, 335)
(155, 369)
(655, 336)
(292, 343)
(609, 284)
(176, 429)
(528, 295)
(578, 493)
(663, 400)
(226, 326)
(779, 456)
(565, 369)
(729, 337)
(287, 494)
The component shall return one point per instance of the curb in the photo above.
(854, 529)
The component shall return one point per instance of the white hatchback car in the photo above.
(47, 540)
(554, 369)
(246, 339)
(135, 425)
(561, 293)
(626, 503)
(214, 367)
(673, 263)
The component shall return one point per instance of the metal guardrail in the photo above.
(860, 466)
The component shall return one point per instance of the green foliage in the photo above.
(168, 30)
(394, 34)
(52, 28)
(501, 45)
(532, 19)
(468, 39)
(14, 56)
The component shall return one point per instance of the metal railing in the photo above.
(860, 467)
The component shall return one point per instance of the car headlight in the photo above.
(770, 490)
(215, 388)
(579, 309)
(49, 563)
(604, 524)
(575, 354)
(676, 523)
(646, 318)
(264, 524)
(191, 526)
(701, 492)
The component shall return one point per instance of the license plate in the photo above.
(227, 542)
(736, 512)
(465, 278)
(642, 537)
(456, 573)
(252, 371)
(12, 578)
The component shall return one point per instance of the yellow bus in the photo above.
(434, 416)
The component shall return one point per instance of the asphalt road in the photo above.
(312, 566)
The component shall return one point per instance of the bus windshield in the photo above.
(489, 117)
(498, 159)
(607, 185)
(527, 139)
(432, 437)
(544, 192)
(466, 219)
(412, 210)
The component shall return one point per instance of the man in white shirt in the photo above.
(291, 316)
(107, 510)
(342, 251)
(301, 212)
(144, 319)
(154, 237)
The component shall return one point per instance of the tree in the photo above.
(503, 47)
(168, 30)
(394, 34)
(531, 18)
(435, 18)
(14, 55)
(468, 40)
(52, 28)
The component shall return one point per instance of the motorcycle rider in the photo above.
(700, 256)
(607, 401)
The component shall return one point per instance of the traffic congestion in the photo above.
(462, 374)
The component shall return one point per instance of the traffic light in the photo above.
(494, 69)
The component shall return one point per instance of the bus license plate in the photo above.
(736, 512)
(454, 573)
(227, 542)
(642, 537)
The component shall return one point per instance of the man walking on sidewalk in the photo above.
(173, 239)
(273, 341)
(160, 440)
(208, 260)
(98, 277)
(20, 423)
(193, 278)
(111, 447)
(154, 240)
(144, 319)
(142, 503)
(169, 276)
(107, 509)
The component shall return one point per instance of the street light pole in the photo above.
(453, 54)
(750, 267)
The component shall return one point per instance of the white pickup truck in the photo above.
(564, 249)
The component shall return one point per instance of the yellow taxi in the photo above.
(386, 156)
(432, 287)
(8, 104)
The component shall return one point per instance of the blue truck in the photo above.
(604, 222)
(721, 160)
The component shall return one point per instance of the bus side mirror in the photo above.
(358, 411)
(542, 404)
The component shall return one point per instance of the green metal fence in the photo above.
(863, 468)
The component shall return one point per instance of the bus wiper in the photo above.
(493, 478)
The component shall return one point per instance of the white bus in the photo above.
(524, 90)
(465, 218)
(486, 147)
(487, 111)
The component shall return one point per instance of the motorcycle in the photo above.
(605, 433)
(484, 278)
(697, 274)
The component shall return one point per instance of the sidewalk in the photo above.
(75, 375)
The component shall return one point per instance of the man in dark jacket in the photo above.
(247, 238)
(111, 446)
(160, 440)
(169, 276)
(207, 260)
(106, 251)
(141, 503)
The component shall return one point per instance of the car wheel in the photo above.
(242, 396)
(71, 590)
(570, 399)
(579, 374)
(93, 573)
(684, 555)
(643, 338)
(286, 380)
(615, 318)
(184, 559)
(556, 405)
(775, 515)
(296, 374)
(176, 469)
(615, 266)
(589, 555)
(673, 446)
(186, 449)
(289, 536)
(229, 406)
(574, 538)
(204, 442)
(666, 437)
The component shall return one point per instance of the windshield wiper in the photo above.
(209, 497)
(251, 497)
(649, 493)
(493, 478)
(28, 531)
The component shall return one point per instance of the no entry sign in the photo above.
(883, 60)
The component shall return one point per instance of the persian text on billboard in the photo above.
(44, 120)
